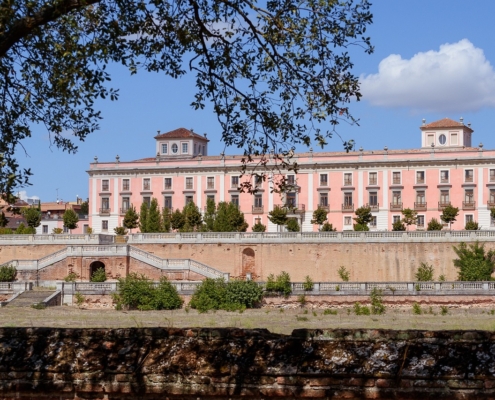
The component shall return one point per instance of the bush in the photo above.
(472, 226)
(424, 273)
(293, 225)
(398, 226)
(474, 263)
(80, 299)
(361, 228)
(377, 306)
(327, 227)
(259, 227)
(57, 231)
(308, 283)
(361, 310)
(281, 284)
(216, 294)
(434, 225)
(344, 273)
(7, 273)
(417, 309)
(71, 277)
(99, 275)
(120, 230)
(6, 231)
(137, 291)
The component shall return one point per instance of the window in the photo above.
(324, 199)
(147, 200)
(491, 200)
(175, 148)
(469, 196)
(189, 183)
(258, 181)
(373, 179)
(420, 197)
(347, 221)
(442, 139)
(104, 185)
(453, 138)
(258, 200)
(444, 197)
(468, 218)
(66, 230)
(125, 204)
(168, 202)
(164, 148)
(234, 199)
(291, 199)
(323, 180)
(396, 178)
(125, 184)
(291, 180)
(420, 222)
(468, 175)
(420, 176)
(348, 199)
(444, 176)
(396, 218)
(396, 198)
(168, 183)
(210, 182)
(45, 228)
(146, 184)
(373, 222)
(211, 197)
(184, 148)
(373, 199)
(189, 199)
(492, 175)
(85, 229)
(347, 179)
(430, 139)
(104, 225)
(234, 181)
(105, 203)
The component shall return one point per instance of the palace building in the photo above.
(445, 170)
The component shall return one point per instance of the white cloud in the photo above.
(456, 78)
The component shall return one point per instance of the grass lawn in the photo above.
(275, 320)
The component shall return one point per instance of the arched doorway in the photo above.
(248, 261)
(94, 266)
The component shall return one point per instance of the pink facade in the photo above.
(445, 170)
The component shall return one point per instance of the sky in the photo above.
(432, 59)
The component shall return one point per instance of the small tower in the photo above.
(446, 133)
(181, 143)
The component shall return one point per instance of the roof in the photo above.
(181, 133)
(445, 123)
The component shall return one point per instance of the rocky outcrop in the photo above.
(250, 364)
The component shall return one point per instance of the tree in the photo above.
(272, 66)
(177, 220)
(154, 218)
(3, 220)
(221, 221)
(70, 219)
(236, 218)
(143, 217)
(319, 216)
(85, 207)
(472, 226)
(166, 218)
(131, 219)
(449, 214)
(434, 225)
(363, 218)
(259, 227)
(474, 263)
(33, 217)
(328, 227)
(409, 217)
(209, 218)
(398, 226)
(120, 230)
(192, 216)
(293, 225)
(278, 216)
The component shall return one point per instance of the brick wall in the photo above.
(227, 363)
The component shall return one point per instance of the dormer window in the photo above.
(164, 148)
(184, 148)
(175, 148)
(442, 139)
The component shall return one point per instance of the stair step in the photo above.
(30, 297)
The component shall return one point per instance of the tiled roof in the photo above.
(445, 123)
(180, 133)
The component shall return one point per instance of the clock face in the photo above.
(442, 139)
(175, 148)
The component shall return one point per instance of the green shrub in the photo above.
(280, 284)
(7, 273)
(434, 225)
(6, 231)
(417, 309)
(327, 227)
(139, 292)
(301, 299)
(441, 278)
(71, 277)
(398, 226)
(474, 263)
(361, 310)
(444, 310)
(80, 299)
(329, 312)
(293, 225)
(120, 230)
(99, 275)
(259, 227)
(308, 284)
(472, 226)
(216, 294)
(377, 306)
(424, 273)
(344, 274)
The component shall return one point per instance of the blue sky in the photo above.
(432, 59)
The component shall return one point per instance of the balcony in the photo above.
(444, 179)
(374, 207)
(420, 206)
(257, 210)
(347, 207)
(293, 208)
(468, 205)
(420, 181)
(396, 206)
(443, 204)
(104, 211)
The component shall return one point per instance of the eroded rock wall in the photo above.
(250, 364)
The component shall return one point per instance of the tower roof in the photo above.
(181, 133)
(445, 123)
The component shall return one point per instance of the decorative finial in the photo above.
(361, 149)
(96, 159)
(424, 121)
(432, 145)
(117, 158)
(385, 148)
(462, 120)
(480, 145)
(310, 150)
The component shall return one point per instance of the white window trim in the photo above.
(468, 215)
(400, 177)
(343, 178)
(424, 221)
(450, 138)
(164, 144)
(171, 182)
(172, 145)
(238, 181)
(446, 139)
(369, 178)
(440, 175)
(464, 174)
(142, 184)
(185, 182)
(182, 148)
(214, 185)
(416, 176)
(319, 179)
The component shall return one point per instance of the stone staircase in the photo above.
(30, 297)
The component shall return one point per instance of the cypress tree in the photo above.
(143, 218)
(154, 218)
(131, 218)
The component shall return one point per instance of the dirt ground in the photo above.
(275, 320)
